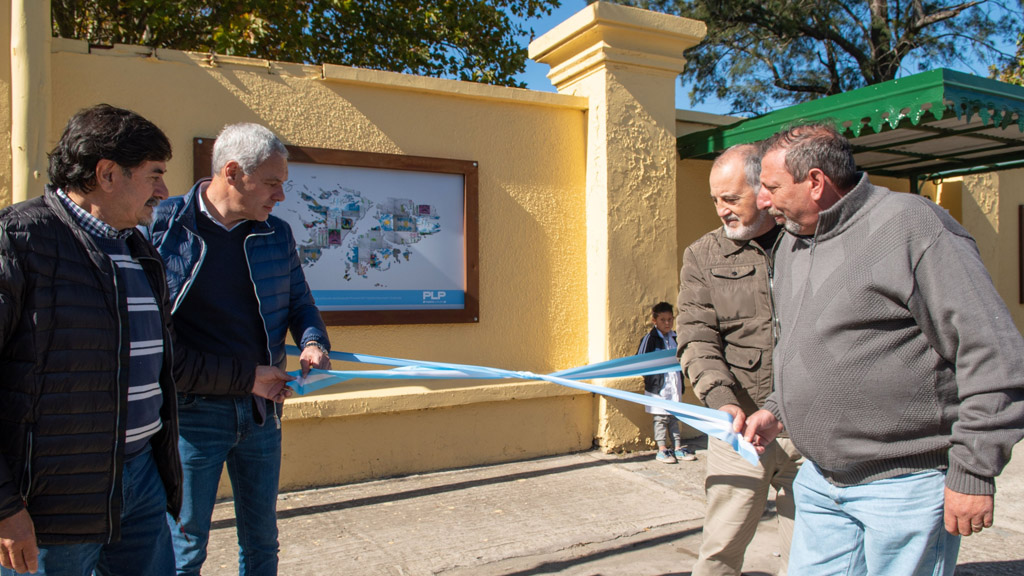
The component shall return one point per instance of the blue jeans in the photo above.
(891, 526)
(145, 545)
(216, 430)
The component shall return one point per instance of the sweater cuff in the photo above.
(960, 480)
(772, 407)
(323, 346)
(720, 396)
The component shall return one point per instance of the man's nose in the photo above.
(764, 199)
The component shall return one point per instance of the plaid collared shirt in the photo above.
(92, 224)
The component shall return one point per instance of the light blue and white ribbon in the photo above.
(714, 423)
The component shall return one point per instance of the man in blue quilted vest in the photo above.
(237, 287)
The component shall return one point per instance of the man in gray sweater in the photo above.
(899, 372)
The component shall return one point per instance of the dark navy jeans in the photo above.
(145, 545)
(218, 430)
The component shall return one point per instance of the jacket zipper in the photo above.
(776, 328)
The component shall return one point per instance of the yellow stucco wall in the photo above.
(694, 209)
(531, 153)
(989, 207)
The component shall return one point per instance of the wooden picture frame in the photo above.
(365, 223)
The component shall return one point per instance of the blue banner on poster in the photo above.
(341, 300)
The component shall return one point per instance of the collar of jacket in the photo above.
(853, 206)
(95, 253)
(191, 208)
(728, 246)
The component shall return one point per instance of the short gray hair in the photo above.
(248, 144)
(818, 146)
(751, 156)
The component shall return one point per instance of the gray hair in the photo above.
(816, 146)
(248, 144)
(751, 156)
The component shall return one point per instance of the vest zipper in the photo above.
(259, 303)
(195, 271)
(117, 417)
(26, 481)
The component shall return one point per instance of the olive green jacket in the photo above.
(724, 321)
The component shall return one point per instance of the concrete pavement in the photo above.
(578, 514)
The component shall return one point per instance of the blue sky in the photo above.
(536, 78)
(535, 75)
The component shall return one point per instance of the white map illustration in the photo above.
(366, 228)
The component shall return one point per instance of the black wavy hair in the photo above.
(104, 132)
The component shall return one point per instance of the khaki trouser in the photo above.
(736, 496)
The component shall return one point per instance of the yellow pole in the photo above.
(30, 96)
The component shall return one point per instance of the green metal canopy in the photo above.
(930, 125)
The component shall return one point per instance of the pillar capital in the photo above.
(605, 34)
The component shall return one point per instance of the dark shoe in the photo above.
(666, 457)
(685, 455)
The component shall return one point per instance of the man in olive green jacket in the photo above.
(726, 334)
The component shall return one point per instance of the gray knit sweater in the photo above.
(896, 353)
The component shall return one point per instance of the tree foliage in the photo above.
(763, 52)
(476, 40)
(1013, 71)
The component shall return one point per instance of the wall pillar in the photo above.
(626, 61)
(30, 96)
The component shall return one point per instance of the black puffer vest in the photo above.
(64, 360)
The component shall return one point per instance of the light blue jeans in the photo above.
(892, 526)
(145, 545)
(216, 430)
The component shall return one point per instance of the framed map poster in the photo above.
(382, 238)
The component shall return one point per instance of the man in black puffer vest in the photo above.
(88, 424)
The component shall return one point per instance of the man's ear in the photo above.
(232, 172)
(819, 182)
(105, 174)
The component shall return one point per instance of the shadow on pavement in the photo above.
(563, 565)
(422, 492)
(1008, 568)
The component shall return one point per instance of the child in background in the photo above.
(668, 386)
